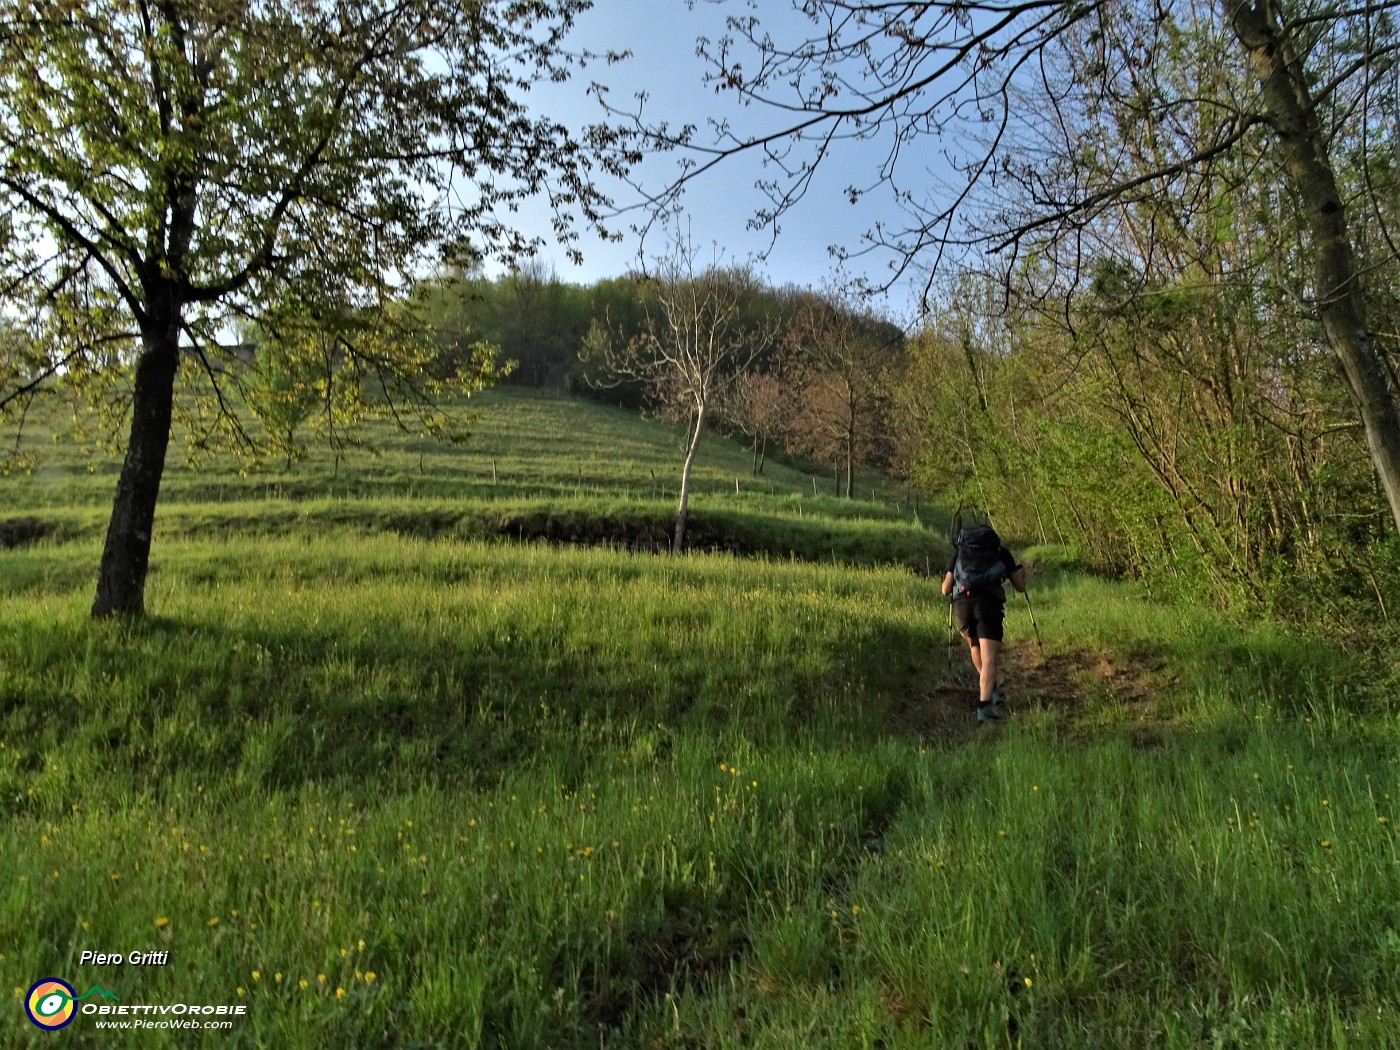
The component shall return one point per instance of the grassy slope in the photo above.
(535, 465)
(569, 797)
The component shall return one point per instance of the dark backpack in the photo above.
(978, 568)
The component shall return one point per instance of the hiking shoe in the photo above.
(987, 712)
(999, 696)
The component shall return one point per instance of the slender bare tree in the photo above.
(699, 337)
(760, 407)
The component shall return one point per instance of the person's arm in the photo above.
(1014, 572)
(948, 573)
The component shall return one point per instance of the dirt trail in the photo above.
(944, 709)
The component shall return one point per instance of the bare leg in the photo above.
(987, 667)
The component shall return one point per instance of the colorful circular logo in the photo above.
(49, 1003)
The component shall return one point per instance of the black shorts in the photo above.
(980, 617)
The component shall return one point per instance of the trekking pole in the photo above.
(1026, 595)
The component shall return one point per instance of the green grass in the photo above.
(526, 443)
(535, 467)
(568, 797)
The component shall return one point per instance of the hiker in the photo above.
(974, 579)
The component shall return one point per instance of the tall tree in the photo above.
(170, 166)
(1032, 182)
(838, 359)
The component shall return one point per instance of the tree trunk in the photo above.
(121, 577)
(851, 464)
(683, 511)
(1291, 112)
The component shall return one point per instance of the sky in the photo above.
(661, 34)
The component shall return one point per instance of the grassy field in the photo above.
(391, 785)
(535, 467)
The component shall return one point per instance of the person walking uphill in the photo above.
(974, 579)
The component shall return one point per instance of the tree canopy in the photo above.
(171, 168)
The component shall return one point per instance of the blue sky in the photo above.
(661, 34)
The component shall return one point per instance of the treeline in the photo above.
(1189, 433)
(1193, 374)
(818, 384)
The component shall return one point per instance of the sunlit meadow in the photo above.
(387, 777)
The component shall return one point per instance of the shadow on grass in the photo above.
(150, 702)
(276, 706)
